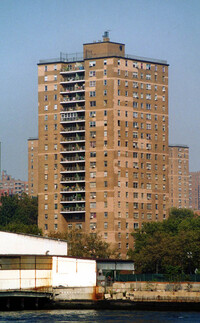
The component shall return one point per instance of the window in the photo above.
(55, 107)
(92, 83)
(148, 86)
(135, 114)
(93, 103)
(148, 126)
(92, 93)
(148, 96)
(105, 92)
(55, 97)
(135, 75)
(92, 174)
(92, 73)
(92, 114)
(105, 72)
(91, 64)
(46, 98)
(92, 124)
(55, 87)
(148, 76)
(135, 225)
(45, 68)
(93, 205)
(105, 82)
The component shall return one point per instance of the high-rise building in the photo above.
(179, 176)
(194, 190)
(103, 142)
(33, 166)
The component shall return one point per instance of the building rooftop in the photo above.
(178, 145)
(78, 57)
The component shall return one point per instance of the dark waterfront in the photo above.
(99, 316)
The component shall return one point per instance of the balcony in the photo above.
(72, 209)
(72, 99)
(73, 169)
(72, 149)
(73, 188)
(73, 129)
(74, 159)
(78, 108)
(73, 198)
(73, 80)
(73, 139)
(73, 69)
(73, 89)
(72, 119)
(72, 179)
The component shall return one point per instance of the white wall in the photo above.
(21, 244)
(72, 272)
(25, 279)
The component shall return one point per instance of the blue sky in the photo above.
(31, 30)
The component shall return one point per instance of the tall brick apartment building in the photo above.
(103, 142)
(179, 176)
(33, 166)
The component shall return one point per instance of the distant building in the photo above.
(33, 166)
(179, 176)
(194, 190)
(12, 186)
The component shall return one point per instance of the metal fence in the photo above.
(157, 278)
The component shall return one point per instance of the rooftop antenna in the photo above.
(106, 35)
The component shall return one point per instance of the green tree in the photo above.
(169, 246)
(81, 244)
(19, 215)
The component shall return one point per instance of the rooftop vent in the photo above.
(106, 35)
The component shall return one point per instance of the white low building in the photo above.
(23, 244)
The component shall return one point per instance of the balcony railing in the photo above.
(68, 99)
(75, 108)
(73, 209)
(73, 79)
(73, 198)
(73, 148)
(77, 138)
(73, 188)
(73, 89)
(73, 159)
(78, 118)
(73, 169)
(69, 129)
(73, 69)
(72, 178)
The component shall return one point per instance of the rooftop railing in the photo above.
(78, 57)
